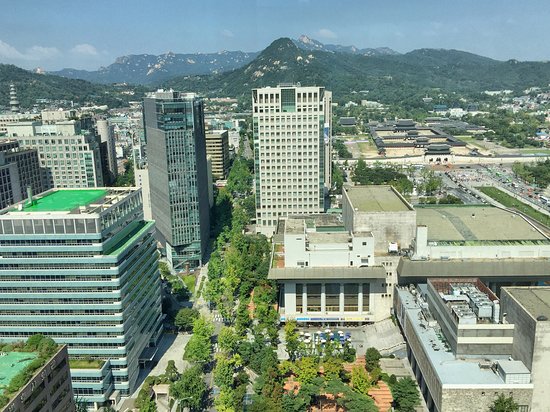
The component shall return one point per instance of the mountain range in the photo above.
(383, 75)
(389, 77)
(151, 69)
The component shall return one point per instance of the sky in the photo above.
(81, 34)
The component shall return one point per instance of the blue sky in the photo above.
(88, 34)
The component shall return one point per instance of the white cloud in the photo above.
(227, 33)
(9, 52)
(85, 49)
(327, 34)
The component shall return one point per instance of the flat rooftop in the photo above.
(11, 363)
(63, 200)
(535, 299)
(449, 369)
(475, 223)
(70, 201)
(374, 198)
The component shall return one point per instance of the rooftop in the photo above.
(535, 299)
(449, 369)
(373, 198)
(11, 363)
(328, 273)
(64, 200)
(71, 201)
(475, 223)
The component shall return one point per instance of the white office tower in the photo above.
(292, 129)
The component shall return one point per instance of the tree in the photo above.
(332, 368)
(190, 389)
(504, 404)
(291, 339)
(185, 318)
(372, 359)
(225, 370)
(199, 346)
(148, 405)
(405, 395)
(228, 340)
(171, 373)
(306, 370)
(360, 173)
(360, 380)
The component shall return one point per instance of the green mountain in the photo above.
(389, 78)
(31, 86)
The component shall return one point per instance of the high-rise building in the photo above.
(70, 155)
(291, 151)
(81, 266)
(217, 147)
(176, 155)
(20, 170)
(106, 133)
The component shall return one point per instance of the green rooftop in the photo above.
(11, 363)
(64, 200)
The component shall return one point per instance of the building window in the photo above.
(314, 297)
(332, 297)
(299, 297)
(351, 297)
(366, 297)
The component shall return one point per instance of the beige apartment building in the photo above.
(291, 151)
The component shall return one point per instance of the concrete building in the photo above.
(327, 274)
(106, 133)
(380, 210)
(81, 266)
(60, 115)
(217, 148)
(497, 245)
(528, 308)
(458, 348)
(176, 155)
(19, 171)
(48, 390)
(70, 155)
(141, 177)
(291, 151)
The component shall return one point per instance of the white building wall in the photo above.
(289, 152)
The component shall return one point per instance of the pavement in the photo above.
(384, 336)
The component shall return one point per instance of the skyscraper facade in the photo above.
(106, 133)
(81, 266)
(176, 155)
(19, 171)
(291, 151)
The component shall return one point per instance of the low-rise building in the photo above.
(458, 347)
(327, 274)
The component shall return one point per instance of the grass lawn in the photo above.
(472, 141)
(510, 201)
(535, 151)
(189, 281)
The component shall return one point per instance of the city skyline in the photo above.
(63, 37)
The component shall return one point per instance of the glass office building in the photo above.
(176, 155)
(81, 266)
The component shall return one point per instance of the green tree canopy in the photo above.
(405, 395)
(185, 318)
(504, 404)
(190, 389)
